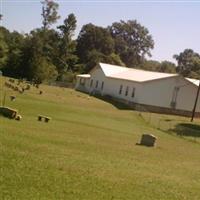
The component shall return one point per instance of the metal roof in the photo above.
(194, 81)
(84, 75)
(131, 74)
(112, 69)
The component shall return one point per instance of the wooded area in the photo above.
(47, 54)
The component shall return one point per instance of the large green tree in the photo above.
(132, 41)
(95, 44)
(42, 70)
(37, 58)
(188, 63)
(67, 46)
(48, 37)
(14, 55)
(49, 13)
(3, 47)
(33, 55)
(41, 47)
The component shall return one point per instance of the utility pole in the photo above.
(1, 16)
(195, 104)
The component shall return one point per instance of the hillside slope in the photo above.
(88, 151)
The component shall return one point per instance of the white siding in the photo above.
(159, 93)
(186, 98)
(83, 87)
(155, 93)
(113, 86)
(97, 75)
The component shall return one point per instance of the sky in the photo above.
(174, 25)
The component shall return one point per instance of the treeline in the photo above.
(53, 54)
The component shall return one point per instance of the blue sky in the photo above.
(174, 25)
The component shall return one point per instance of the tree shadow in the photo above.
(186, 129)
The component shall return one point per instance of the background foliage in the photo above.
(47, 54)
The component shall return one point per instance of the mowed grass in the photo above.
(87, 151)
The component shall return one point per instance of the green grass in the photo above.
(88, 151)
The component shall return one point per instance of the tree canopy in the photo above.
(67, 46)
(188, 63)
(49, 13)
(48, 53)
(132, 41)
(95, 44)
(153, 65)
(3, 47)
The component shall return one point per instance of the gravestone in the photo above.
(12, 98)
(18, 117)
(148, 140)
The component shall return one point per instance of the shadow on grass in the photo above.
(168, 120)
(186, 129)
(115, 103)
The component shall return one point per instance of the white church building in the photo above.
(154, 91)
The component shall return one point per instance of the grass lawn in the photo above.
(87, 151)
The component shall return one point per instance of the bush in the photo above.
(68, 77)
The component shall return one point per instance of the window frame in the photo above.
(120, 89)
(91, 83)
(127, 90)
(97, 83)
(133, 92)
(102, 85)
(82, 81)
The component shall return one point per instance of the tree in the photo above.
(95, 44)
(67, 47)
(132, 41)
(3, 47)
(15, 45)
(41, 70)
(37, 58)
(49, 13)
(69, 26)
(153, 65)
(32, 55)
(188, 63)
(150, 65)
(167, 67)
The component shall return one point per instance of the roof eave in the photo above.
(143, 81)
